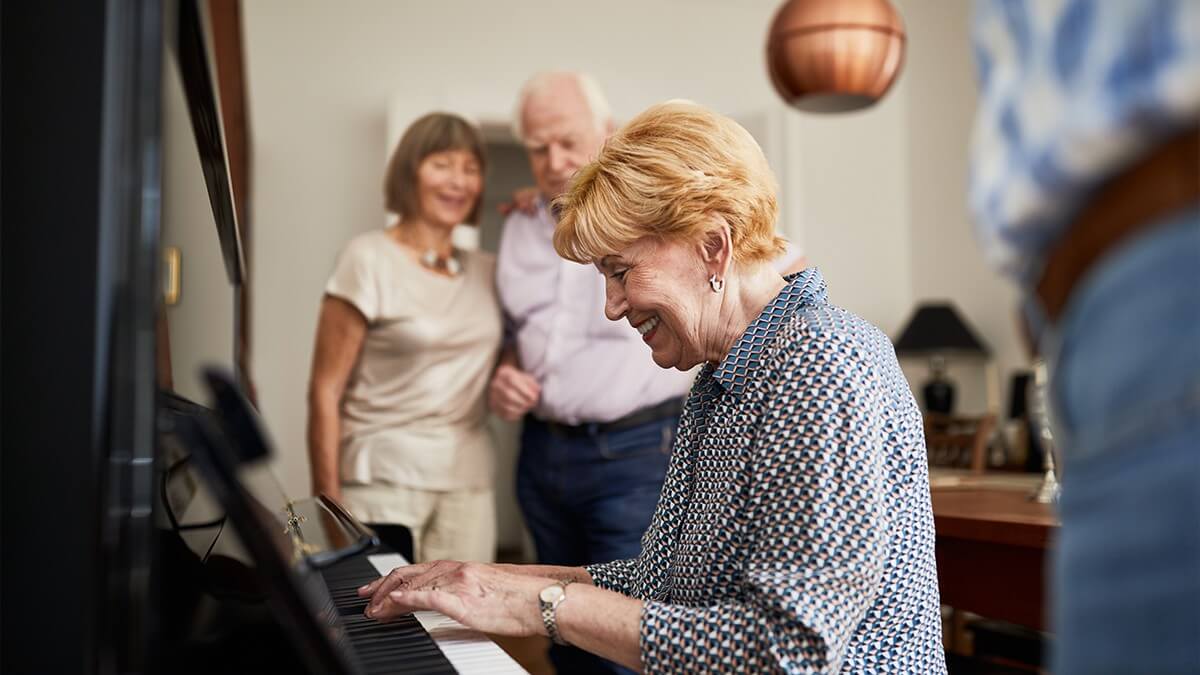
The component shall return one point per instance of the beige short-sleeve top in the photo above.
(413, 410)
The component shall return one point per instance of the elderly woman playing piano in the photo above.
(794, 532)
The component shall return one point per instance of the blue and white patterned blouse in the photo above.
(794, 531)
(1070, 92)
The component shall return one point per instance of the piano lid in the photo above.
(196, 68)
(298, 599)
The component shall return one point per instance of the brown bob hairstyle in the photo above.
(432, 133)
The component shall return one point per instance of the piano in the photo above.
(98, 575)
(303, 583)
(296, 563)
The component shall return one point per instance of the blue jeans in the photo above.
(1125, 388)
(588, 499)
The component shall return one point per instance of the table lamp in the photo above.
(936, 331)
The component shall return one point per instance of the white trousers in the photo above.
(445, 524)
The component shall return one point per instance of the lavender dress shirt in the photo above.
(590, 369)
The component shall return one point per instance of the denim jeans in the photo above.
(1125, 389)
(588, 499)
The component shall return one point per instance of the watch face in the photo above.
(551, 593)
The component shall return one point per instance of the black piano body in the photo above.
(283, 596)
(93, 581)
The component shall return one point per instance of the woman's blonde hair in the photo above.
(665, 174)
(432, 133)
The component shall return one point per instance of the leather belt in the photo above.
(654, 413)
(1164, 181)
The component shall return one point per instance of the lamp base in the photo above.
(939, 396)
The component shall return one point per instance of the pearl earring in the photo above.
(718, 285)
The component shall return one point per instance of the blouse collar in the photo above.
(804, 289)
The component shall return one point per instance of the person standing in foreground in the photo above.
(1085, 189)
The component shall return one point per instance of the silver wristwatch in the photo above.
(549, 599)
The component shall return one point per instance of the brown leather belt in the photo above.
(1164, 181)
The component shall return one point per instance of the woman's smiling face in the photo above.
(448, 186)
(661, 288)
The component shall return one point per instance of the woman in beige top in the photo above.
(408, 334)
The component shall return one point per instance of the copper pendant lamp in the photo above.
(835, 55)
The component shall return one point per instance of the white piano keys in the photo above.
(468, 650)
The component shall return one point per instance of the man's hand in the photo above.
(523, 200)
(513, 392)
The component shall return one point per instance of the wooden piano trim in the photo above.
(225, 20)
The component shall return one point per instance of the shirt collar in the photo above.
(803, 289)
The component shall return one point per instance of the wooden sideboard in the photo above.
(992, 542)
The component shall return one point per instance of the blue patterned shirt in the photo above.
(794, 532)
(1071, 92)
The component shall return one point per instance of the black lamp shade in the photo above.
(938, 329)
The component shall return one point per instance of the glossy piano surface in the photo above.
(287, 600)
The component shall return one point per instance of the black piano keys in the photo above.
(401, 646)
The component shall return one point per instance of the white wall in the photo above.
(853, 196)
(947, 263)
(321, 77)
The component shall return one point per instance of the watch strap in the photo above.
(550, 614)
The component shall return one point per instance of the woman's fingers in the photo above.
(391, 606)
(397, 578)
(433, 594)
(438, 599)
(420, 576)
(369, 589)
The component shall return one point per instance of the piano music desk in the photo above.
(991, 545)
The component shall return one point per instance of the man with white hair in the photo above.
(595, 446)
(600, 416)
